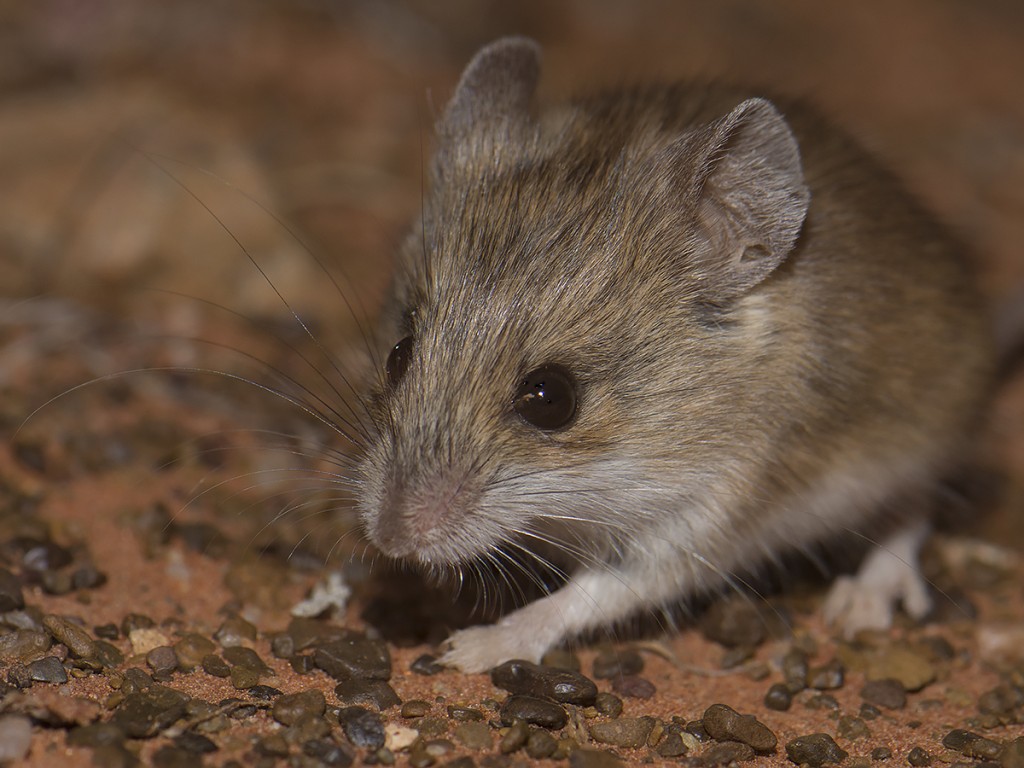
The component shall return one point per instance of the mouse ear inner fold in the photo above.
(750, 197)
(494, 93)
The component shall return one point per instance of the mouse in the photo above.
(653, 337)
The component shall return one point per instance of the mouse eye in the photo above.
(398, 360)
(546, 397)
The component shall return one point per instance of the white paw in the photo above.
(479, 649)
(869, 599)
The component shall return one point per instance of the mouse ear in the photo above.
(493, 95)
(749, 195)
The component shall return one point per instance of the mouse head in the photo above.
(554, 313)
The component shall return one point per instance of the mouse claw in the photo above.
(479, 649)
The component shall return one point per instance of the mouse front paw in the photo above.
(479, 649)
(868, 601)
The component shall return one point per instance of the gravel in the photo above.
(532, 709)
(815, 750)
(561, 685)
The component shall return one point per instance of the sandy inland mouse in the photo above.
(665, 334)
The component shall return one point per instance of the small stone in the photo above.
(415, 708)
(95, 735)
(23, 644)
(634, 687)
(822, 701)
(723, 723)
(216, 666)
(734, 623)
(235, 632)
(243, 678)
(672, 745)
(360, 692)
(162, 660)
(971, 744)
(514, 738)
(354, 657)
(631, 732)
(48, 670)
(561, 685)
(19, 675)
(145, 640)
(531, 709)
(465, 714)
(399, 738)
(1013, 754)
(11, 597)
(192, 649)
(878, 754)
(15, 738)
(273, 745)
(362, 727)
(420, 758)
(135, 621)
(886, 693)
(264, 692)
(79, 644)
(240, 656)
(795, 669)
(474, 735)
(173, 757)
(432, 726)
(828, 677)
(617, 663)
(1001, 700)
(196, 743)
(853, 728)
(106, 631)
(292, 707)
(869, 712)
(608, 704)
(327, 752)
(87, 577)
(146, 713)
(593, 758)
(815, 750)
(910, 668)
(917, 757)
(778, 698)
(726, 753)
(540, 745)
(426, 665)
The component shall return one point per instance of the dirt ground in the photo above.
(178, 179)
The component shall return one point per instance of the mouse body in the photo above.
(663, 334)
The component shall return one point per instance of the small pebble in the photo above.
(822, 701)
(815, 750)
(47, 670)
(778, 698)
(362, 727)
(542, 712)
(723, 723)
(886, 693)
(196, 743)
(146, 713)
(593, 758)
(1013, 754)
(15, 738)
(795, 669)
(135, 621)
(917, 757)
(559, 685)
(240, 656)
(11, 597)
(426, 665)
(354, 657)
(399, 738)
(272, 745)
(634, 687)
(145, 640)
(290, 708)
(465, 714)
(107, 631)
(971, 744)
(608, 704)
(853, 728)
(234, 632)
(23, 644)
(878, 754)
(909, 667)
(192, 649)
(631, 732)
(95, 735)
(734, 623)
(264, 692)
(726, 754)
(87, 577)
(415, 708)
(327, 752)
(162, 660)
(617, 663)
(828, 677)
(474, 735)
(73, 636)
(672, 745)
(360, 692)
(243, 678)
(515, 738)
(869, 711)
(216, 666)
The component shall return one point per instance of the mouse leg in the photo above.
(889, 575)
(591, 598)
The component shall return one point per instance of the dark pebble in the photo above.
(733, 623)
(265, 692)
(95, 735)
(108, 655)
(289, 709)
(307, 634)
(723, 723)
(106, 631)
(540, 745)
(608, 704)
(465, 714)
(273, 745)
(474, 735)
(48, 670)
(561, 685)
(327, 752)
(73, 636)
(362, 727)
(244, 678)
(828, 677)
(162, 660)
(415, 708)
(696, 729)
(617, 663)
(1001, 700)
(886, 693)
(135, 680)
(815, 750)
(196, 743)
(778, 698)
(426, 665)
(593, 758)
(24, 644)
(11, 597)
(725, 754)
(432, 726)
(460, 762)
(634, 687)
(1013, 754)
(917, 757)
(879, 754)
(360, 692)
(531, 709)
(146, 713)
(240, 656)
(19, 675)
(671, 745)
(354, 657)
(235, 631)
(173, 757)
(56, 582)
(822, 701)
(216, 666)
(302, 663)
(87, 577)
(852, 728)
(282, 645)
(971, 744)
(192, 649)
(45, 556)
(795, 669)
(629, 732)
(136, 621)
(869, 712)
(515, 737)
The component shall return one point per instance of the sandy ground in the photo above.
(146, 149)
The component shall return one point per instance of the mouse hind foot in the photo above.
(888, 578)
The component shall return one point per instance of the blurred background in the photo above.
(145, 147)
